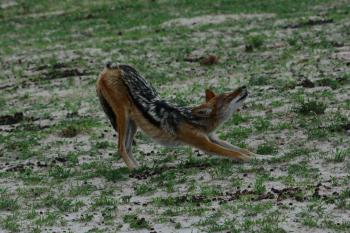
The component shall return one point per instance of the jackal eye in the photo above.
(203, 112)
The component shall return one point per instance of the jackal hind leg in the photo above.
(202, 142)
(130, 133)
(215, 139)
(122, 125)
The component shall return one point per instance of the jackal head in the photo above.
(218, 108)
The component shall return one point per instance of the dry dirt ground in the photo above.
(59, 168)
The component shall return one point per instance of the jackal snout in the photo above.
(232, 101)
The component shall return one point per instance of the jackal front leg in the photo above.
(202, 142)
(215, 139)
(122, 124)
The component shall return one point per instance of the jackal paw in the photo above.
(133, 166)
(245, 157)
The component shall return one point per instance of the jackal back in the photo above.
(158, 112)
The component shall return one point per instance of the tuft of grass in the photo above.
(60, 173)
(72, 127)
(266, 149)
(80, 190)
(61, 203)
(238, 134)
(8, 203)
(135, 222)
(70, 131)
(112, 174)
(48, 219)
(309, 220)
(256, 208)
(29, 176)
(72, 158)
(86, 217)
(343, 200)
(105, 200)
(311, 107)
(253, 42)
(102, 144)
(259, 80)
(338, 226)
(340, 155)
(259, 185)
(143, 189)
(11, 223)
(237, 119)
(317, 133)
(302, 170)
(261, 124)
(329, 82)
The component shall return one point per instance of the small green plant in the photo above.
(7, 202)
(311, 107)
(86, 217)
(276, 103)
(253, 209)
(294, 40)
(135, 222)
(261, 124)
(31, 214)
(309, 220)
(259, 80)
(343, 202)
(72, 158)
(259, 185)
(177, 225)
(302, 170)
(11, 223)
(84, 189)
(266, 149)
(29, 176)
(340, 155)
(59, 172)
(332, 83)
(254, 42)
(48, 219)
(102, 145)
(317, 133)
(105, 200)
(70, 131)
(110, 173)
(238, 134)
(143, 188)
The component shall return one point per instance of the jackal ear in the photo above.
(202, 111)
(209, 95)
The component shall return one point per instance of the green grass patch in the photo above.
(310, 107)
(135, 222)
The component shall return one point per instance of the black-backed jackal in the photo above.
(131, 103)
